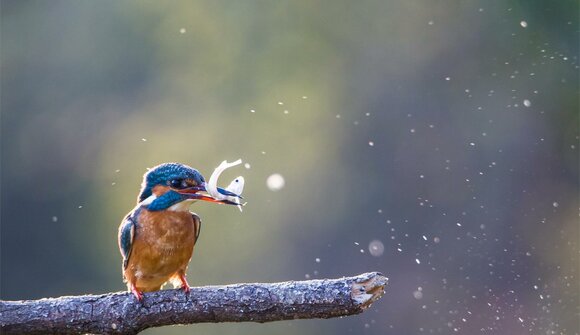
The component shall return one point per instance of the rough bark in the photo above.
(121, 313)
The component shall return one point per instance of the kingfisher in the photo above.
(157, 237)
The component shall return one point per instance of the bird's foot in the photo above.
(184, 285)
(137, 293)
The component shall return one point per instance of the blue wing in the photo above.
(126, 237)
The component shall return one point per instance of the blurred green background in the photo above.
(434, 141)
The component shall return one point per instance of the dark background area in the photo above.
(434, 141)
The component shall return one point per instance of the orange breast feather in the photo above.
(162, 248)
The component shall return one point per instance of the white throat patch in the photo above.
(149, 200)
(182, 206)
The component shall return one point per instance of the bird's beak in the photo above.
(193, 193)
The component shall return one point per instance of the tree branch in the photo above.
(121, 313)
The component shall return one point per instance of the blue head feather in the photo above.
(162, 175)
(165, 201)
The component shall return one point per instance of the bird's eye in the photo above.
(178, 183)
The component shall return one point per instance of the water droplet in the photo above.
(527, 103)
(144, 139)
(418, 294)
(252, 110)
(275, 182)
(317, 260)
(555, 204)
(54, 219)
(182, 30)
(448, 78)
(280, 103)
(436, 239)
(376, 248)
(524, 24)
(247, 166)
(371, 143)
(417, 261)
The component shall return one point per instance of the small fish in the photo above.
(236, 187)
(233, 191)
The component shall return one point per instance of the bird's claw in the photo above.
(137, 293)
(184, 285)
